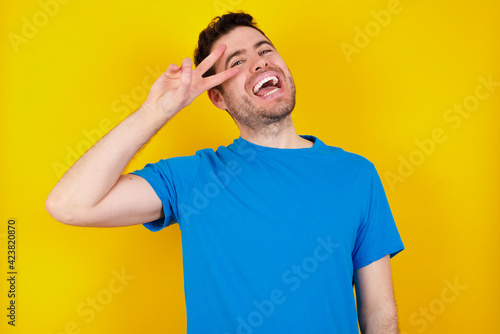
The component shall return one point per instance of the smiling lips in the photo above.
(267, 86)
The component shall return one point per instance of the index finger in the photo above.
(217, 79)
(210, 60)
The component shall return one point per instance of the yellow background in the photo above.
(65, 83)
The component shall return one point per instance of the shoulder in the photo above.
(187, 164)
(179, 163)
(347, 159)
(356, 159)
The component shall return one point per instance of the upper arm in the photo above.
(374, 291)
(130, 201)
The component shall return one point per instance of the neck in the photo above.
(281, 134)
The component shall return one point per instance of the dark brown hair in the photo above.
(218, 27)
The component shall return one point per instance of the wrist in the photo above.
(158, 117)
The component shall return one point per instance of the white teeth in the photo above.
(263, 81)
(269, 93)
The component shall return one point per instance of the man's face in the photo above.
(263, 91)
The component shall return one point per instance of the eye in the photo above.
(238, 62)
(265, 51)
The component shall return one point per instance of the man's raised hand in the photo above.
(177, 87)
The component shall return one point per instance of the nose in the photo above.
(260, 64)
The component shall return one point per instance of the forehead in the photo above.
(238, 38)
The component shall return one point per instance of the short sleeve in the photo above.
(377, 234)
(172, 180)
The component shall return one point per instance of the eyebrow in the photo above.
(241, 51)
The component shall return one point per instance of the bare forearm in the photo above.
(380, 322)
(93, 192)
(96, 172)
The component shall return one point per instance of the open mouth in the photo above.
(267, 86)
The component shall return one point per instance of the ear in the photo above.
(217, 99)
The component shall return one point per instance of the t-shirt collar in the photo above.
(241, 144)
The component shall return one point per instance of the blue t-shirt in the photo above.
(271, 237)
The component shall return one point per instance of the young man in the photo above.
(276, 227)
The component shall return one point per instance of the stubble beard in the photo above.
(246, 113)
